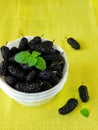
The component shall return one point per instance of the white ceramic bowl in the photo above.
(34, 99)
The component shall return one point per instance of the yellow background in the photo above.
(56, 19)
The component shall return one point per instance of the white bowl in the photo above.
(34, 99)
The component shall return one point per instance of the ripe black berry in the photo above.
(69, 106)
(30, 77)
(83, 93)
(55, 66)
(5, 52)
(44, 48)
(36, 40)
(11, 80)
(16, 72)
(23, 45)
(59, 74)
(74, 44)
(46, 75)
(27, 87)
(47, 43)
(3, 68)
(13, 51)
(45, 85)
(52, 57)
(54, 81)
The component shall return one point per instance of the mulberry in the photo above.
(30, 77)
(69, 106)
(36, 40)
(5, 52)
(11, 80)
(52, 57)
(44, 48)
(54, 81)
(62, 63)
(13, 51)
(59, 74)
(16, 72)
(46, 75)
(47, 43)
(55, 66)
(27, 87)
(45, 85)
(83, 92)
(3, 68)
(74, 44)
(23, 45)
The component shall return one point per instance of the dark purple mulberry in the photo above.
(74, 44)
(16, 72)
(11, 80)
(54, 81)
(23, 45)
(55, 66)
(62, 63)
(13, 51)
(57, 52)
(27, 87)
(36, 40)
(46, 75)
(26, 68)
(3, 68)
(45, 85)
(5, 52)
(30, 77)
(44, 48)
(52, 57)
(47, 43)
(83, 92)
(59, 74)
(69, 106)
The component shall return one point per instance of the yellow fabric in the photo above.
(56, 19)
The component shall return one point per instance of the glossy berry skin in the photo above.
(27, 87)
(16, 72)
(74, 44)
(69, 106)
(83, 93)
(3, 68)
(5, 52)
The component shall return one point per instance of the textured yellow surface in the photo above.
(55, 19)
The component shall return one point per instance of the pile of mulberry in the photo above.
(27, 79)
